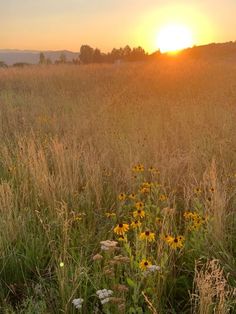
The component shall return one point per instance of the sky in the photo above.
(67, 24)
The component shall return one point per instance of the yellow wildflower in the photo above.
(162, 197)
(135, 224)
(122, 197)
(147, 235)
(139, 205)
(144, 264)
(121, 229)
(140, 213)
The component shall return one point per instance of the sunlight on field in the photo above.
(119, 178)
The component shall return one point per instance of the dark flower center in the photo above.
(147, 233)
(120, 225)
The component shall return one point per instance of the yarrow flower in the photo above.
(121, 229)
(108, 245)
(78, 303)
(104, 295)
(147, 235)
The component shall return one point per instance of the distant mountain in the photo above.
(11, 56)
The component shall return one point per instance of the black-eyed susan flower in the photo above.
(162, 197)
(121, 229)
(122, 197)
(147, 235)
(132, 196)
(140, 213)
(212, 190)
(139, 205)
(138, 168)
(158, 221)
(197, 191)
(144, 264)
(122, 238)
(176, 242)
(135, 224)
(167, 238)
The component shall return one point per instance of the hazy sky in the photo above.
(66, 24)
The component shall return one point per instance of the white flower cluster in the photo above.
(151, 269)
(108, 245)
(78, 303)
(104, 295)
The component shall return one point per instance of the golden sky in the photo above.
(67, 24)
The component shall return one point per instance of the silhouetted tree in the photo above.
(42, 59)
(62, 58)
(48, 61)
(3, 64)
(97, 56)
(86, 54)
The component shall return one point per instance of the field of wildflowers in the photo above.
(117, 188)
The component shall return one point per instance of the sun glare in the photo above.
(174, 37)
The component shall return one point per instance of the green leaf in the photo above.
(130, 282)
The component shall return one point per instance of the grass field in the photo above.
(140, 154)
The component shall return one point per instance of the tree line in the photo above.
(89, 55)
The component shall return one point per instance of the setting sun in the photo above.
(174, 37)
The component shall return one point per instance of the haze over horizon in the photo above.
(67, 24)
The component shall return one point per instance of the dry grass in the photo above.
(69, 137)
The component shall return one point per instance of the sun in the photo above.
(174, 37)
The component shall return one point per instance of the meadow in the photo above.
(117, 188)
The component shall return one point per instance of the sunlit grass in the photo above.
(117, 189)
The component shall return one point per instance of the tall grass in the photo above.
(70, 136)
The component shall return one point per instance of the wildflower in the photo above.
(153, 170)
(104, 293)
(108, 245)
(158, 221)
(147, 235)
(122, 238)
(121, 288)
(78, 303)
(162, 197)
(135, 224)
(138, 168)
(140, 213)
(139, 205)
(122, 197)
(153, 268)
(120, 229)
(176, 242)
(109, 215)
(168, 239)
(120, 259)
(145, 187)
(104, 301)
(61, 264)
(197, 191)
(144, 264)
(97, 257)
(132, 196)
